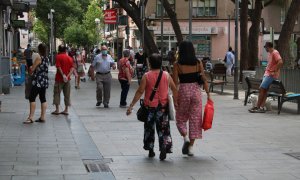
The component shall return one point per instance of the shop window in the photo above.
(202, 44)
(204, 8)
(158, 8)
(169, 42)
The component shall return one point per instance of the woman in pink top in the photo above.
(158, 107)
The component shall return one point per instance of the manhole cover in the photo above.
(295, 155)
(97, 165)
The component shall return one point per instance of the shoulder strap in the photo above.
(198, 65)
(156, 85)
(179, 69)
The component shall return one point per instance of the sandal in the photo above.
(64, 113)
(40, 120)
(28, 121)
(55, 113)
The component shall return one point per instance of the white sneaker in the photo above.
(191, 152)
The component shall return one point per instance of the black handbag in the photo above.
(143, 112)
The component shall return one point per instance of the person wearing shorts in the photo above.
(271, 73)
(65, 68)
(40, 82)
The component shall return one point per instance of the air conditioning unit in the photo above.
(214, 30)
(152, 16)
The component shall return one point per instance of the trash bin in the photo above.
(247, 74)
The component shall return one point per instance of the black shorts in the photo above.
(37, 91)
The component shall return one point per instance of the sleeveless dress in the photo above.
(40, 76)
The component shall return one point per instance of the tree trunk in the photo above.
(244, 37)
(173, 18)
(283, 45)
(134, 12)
(254, 35)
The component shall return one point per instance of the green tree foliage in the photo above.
(70, 16)
(41, 31)
(93, 12)
(76, 34)
(67, 9)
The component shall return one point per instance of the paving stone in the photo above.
(60, 172)
(74, 167)
(5, 158)
(6, 167)
(77, 177)
(39, 177)
(5, 177)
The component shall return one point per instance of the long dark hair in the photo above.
(187, 55)
(42, 48)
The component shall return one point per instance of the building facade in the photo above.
(212, 26)
(210, 19)
(273, 17)
(10, 25)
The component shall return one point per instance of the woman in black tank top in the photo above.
(188, 70)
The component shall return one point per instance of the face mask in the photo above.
(77, 52)
(104, 52)
(140, 50)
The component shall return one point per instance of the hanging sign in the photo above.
(110, 16)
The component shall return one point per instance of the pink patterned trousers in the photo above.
(189, 110)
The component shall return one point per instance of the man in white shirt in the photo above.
(102, 64)
(229, 61)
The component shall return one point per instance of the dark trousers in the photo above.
(125, 88)
(159, 119)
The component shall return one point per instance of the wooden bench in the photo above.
(253, 85)
(276, 90)
(217, 76)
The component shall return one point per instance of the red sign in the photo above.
(110, 16)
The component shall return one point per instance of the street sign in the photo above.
(110, 16)
(18, 23)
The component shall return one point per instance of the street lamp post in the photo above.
(142, 8)
(97, 21)
(236, 88)
(50, 16)
(229, 31)
(162, 27)
(190, 19)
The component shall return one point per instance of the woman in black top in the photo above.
(39, 71)
(189, 70)
(141, 64)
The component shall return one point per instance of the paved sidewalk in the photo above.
(239, 146)
(55, 150)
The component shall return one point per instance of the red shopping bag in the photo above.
(208, 115)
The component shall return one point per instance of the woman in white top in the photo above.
(80, 65)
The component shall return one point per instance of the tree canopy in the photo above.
(65, 11)
(70, 16)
